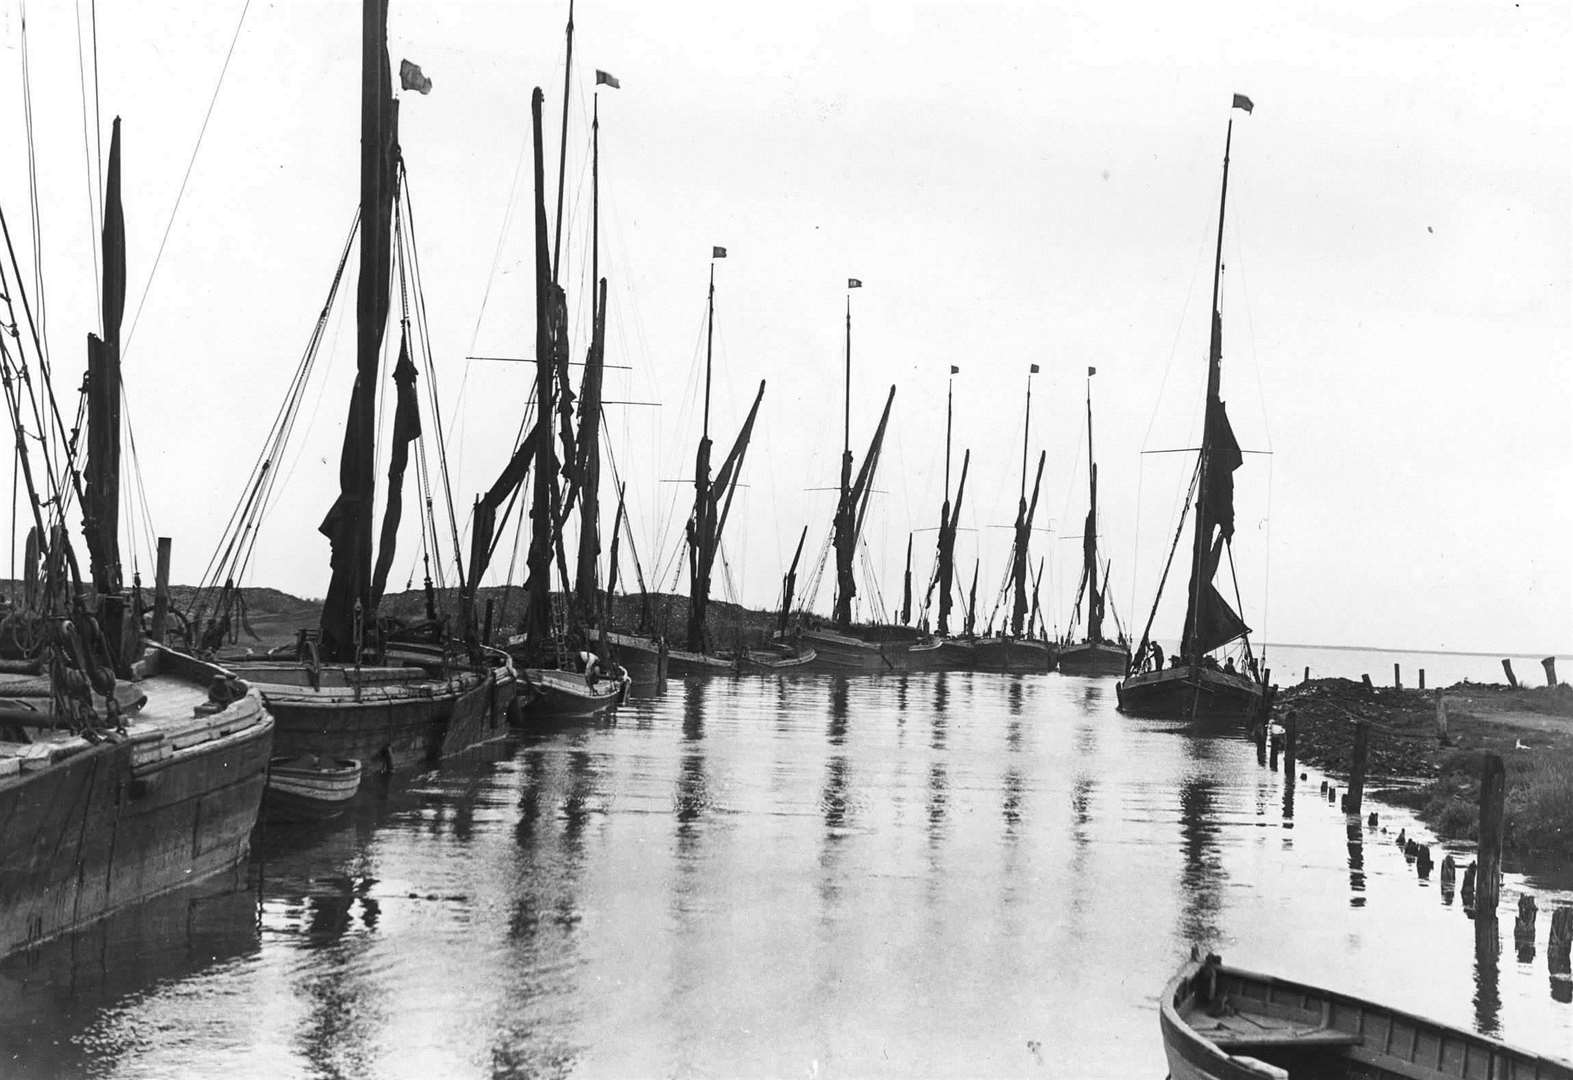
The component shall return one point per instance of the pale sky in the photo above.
(1014, 183)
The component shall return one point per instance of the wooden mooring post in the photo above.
(1507, 669)
(1357, 762)
(1559, 944)
(1307, 677)
(486, 630)
(1550, 664)
(1422, 678)
(1398, 679)
(1366, 679)
(161, 591)
(1493, 789)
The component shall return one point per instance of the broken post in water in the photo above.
(1357, 768)
(1366, 679)
(1493, 789)
(1550, 664)
(1507, 669)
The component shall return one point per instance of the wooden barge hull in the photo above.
(1012, 655)
(398, 720)
(847, 655)
(102, 827)
(1093, 658)
(1181, 693)
(1259, 1027)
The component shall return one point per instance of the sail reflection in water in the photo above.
(921, 875)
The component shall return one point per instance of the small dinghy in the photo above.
(309, 788)
(1222, 1023)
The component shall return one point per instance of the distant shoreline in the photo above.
(1420, 652)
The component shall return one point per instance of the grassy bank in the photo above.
(1530, 729)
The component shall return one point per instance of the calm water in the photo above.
(938, 875)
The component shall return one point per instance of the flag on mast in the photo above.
(954, 370)
(718, 252)
(1242, 102)
(1091, 371)
(1033, 370)
(602, 78)
(854, 283)
(412, 78)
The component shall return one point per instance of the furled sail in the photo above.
(348, 524)
(406, 429)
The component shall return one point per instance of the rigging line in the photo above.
(431, 377)
(34, 331)
(136, 318)
(98, 116)
(39, 330)
(92, 173)
(1179, 328)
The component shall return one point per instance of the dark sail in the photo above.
(950, 516)
(849, 515)
(906, 586)
(789, 583)
(590, 461)
(551, 319)
(101, 509)
(1024, 515)
(348, 524)
(406, 429)
(1223, 458)
(1216, 623)
(713, 502)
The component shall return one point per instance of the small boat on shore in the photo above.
(308, 788)
(1222, 1023)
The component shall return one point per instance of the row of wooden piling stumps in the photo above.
(1549, 663)
(1480, 889)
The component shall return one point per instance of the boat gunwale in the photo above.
(1172, 1021)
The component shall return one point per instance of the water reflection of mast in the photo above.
(1202, 878)
(833, 802)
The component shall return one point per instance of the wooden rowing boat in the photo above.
(1222, 1023)
(309, 788)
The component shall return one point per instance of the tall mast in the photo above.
(709, 341)
(845, 541)
(562, 156)
(537, 619)
(349, 523)
(1026, 431)
(589, 447)
(1202, 537)
(700, 528)
(950, 391)
(1090, 544)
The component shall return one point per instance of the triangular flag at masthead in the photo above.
(854, 283)
(604, 79)
(1033, 370)
(954, 370)
(412, 78)
(1091, 371)
(1242, 102)
(718, 252)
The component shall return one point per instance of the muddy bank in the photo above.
(1412, 763)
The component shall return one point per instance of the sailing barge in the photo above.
(341, 699)
(873, 648)
(1224, 1023)
(1094, 654)
(125, 771)
(1194, 686)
